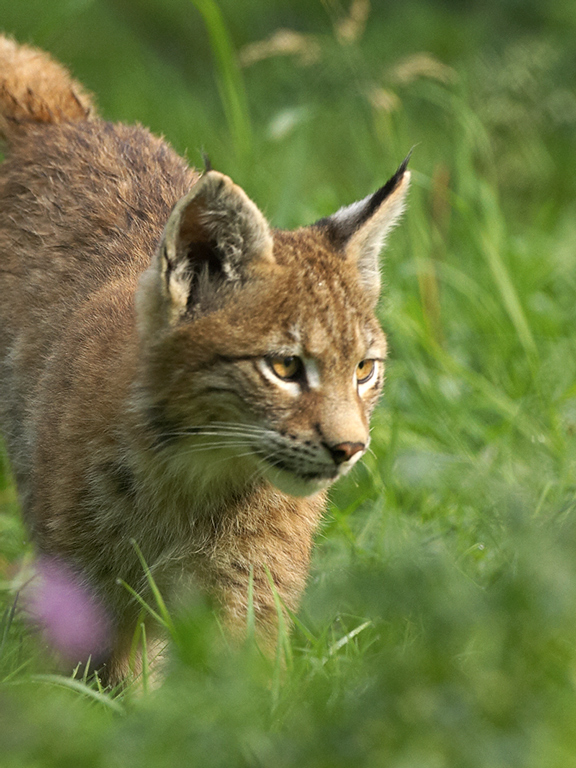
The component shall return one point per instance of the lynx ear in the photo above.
(359, 230)
(213, 236)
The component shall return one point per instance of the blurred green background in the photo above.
(439, 626)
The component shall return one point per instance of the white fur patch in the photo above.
(312, 373)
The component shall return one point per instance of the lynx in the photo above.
(174, 372)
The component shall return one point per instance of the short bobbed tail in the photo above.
(36, 89)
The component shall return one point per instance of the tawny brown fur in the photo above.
(137, 334)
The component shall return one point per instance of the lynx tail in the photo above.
(35, 89)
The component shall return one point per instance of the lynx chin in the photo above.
(173, 371)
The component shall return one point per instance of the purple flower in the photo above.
(67, 612)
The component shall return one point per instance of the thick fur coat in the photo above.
(173, 372)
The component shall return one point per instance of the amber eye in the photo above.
(365, 370)
(287, 368)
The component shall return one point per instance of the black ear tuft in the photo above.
(206, 161)
(377, 198)
(360, 229)
(342, 225)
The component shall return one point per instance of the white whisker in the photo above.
(206, 447)
(216, 430)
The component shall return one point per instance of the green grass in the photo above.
(439, 625)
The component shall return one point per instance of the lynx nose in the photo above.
(344, 451)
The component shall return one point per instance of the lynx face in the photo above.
(266, 359)
(300, 456)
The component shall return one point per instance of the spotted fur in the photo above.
(143, 305)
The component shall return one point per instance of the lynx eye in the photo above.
(365, 370)
(286, 368)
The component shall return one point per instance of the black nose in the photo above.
(344, 451)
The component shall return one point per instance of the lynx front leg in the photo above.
(130, 655)
(263, 551)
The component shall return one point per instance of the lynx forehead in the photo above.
(173, 371)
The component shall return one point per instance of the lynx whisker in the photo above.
(205, 448)
(217, 431)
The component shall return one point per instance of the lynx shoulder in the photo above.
(173, 371)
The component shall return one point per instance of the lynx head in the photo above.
(261, 345)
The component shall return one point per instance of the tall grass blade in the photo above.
(335, 647)
(162, 609)
(145, 663)
(283, 648)
(5, 624)
(80, 687)
(491, 250)
(230, 80)
(143, 603)
(136, 638)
